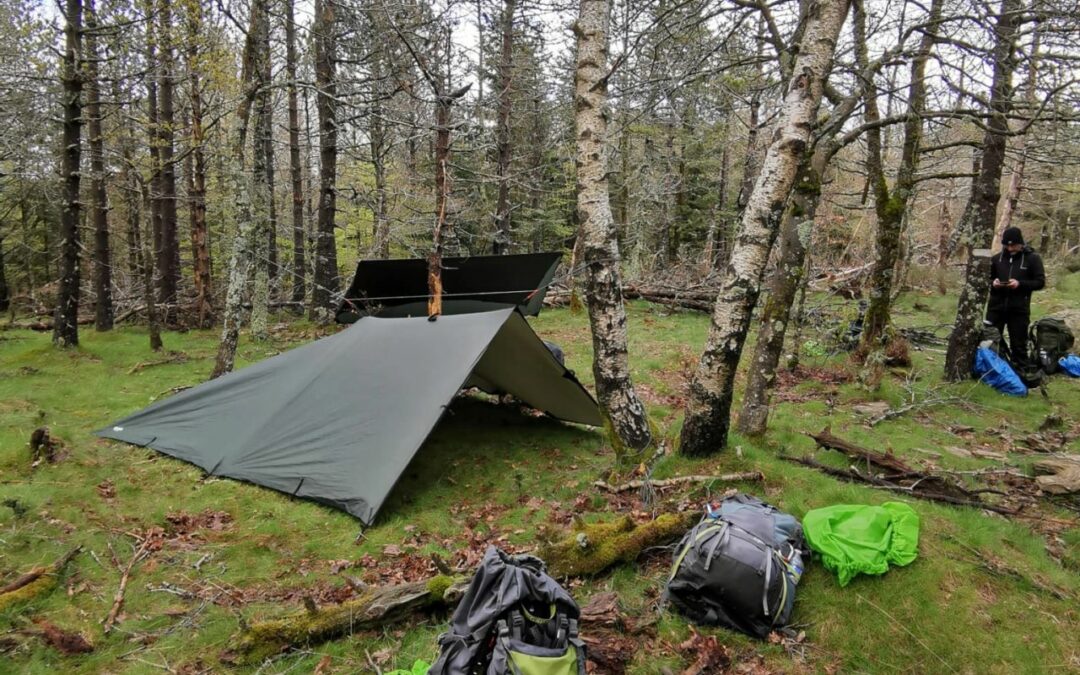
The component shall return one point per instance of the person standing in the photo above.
(1015, 273)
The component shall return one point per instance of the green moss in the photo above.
(593, 548)
(39, 587)
(437, 586)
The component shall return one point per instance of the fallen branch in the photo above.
(996, 566)
(375, 609)
(591, 549)
(887, 462)
(36, 582)
(915, 490)
(680, 480)
(174, 357)
(118, 600)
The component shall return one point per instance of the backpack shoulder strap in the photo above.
(578, 644)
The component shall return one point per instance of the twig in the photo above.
(118, 599)
(679, 480)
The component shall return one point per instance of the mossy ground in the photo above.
(942, 613)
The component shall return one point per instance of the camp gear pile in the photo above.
(513, 619)
(1050, 339)
(855, 539)
(739, 567)
(996, 372)
(339, 419)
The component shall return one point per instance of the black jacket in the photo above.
(1027, 268)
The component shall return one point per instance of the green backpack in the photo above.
(1050, 339)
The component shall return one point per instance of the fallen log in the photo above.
(37, 582)
(915, 489)
(374, 609)
(680, 480)
(592, 548)
(887, 462)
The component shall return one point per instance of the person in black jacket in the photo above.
(1015, 273)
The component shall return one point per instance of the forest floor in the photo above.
(988, 593)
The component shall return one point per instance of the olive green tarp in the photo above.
(855, 539)
(339, 419)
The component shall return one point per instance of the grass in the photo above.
(488, 473)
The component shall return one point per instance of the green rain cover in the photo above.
(855, 539)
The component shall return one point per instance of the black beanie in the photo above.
(1012, 235)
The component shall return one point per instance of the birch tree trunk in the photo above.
(66, 320)
(502, 241)
(99, 208)
(295, 175)
(599, 248)
(981, 214)
(708, 408)
(324, 280)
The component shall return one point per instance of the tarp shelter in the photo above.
(400, 287)
(339, 419)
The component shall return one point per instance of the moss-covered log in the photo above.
(591, 549)
(376, 608)
(35, 583)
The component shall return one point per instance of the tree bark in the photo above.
(149, 269)
(169, 252)
(892, 205)
(325, 278)
(787, 280)
(1016, 180)
(708, 408)
(66, 321)
(5, 291)
(621, 407)
(99, 208)
(296, 177)
(503, 237)
(986, 192)
(200, 239)
(262, 205)
(379, 152)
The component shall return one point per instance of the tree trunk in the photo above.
(787, 280)
(99, 208)
(443, 236)
(599, 247)
(200, 240)
(169, 252)
(986, 192)
(262, 173)
(5, 292)
(1016, 180)
(295, 175)
(243, 188)
(708, 408)
(149, 269)
(379, 143)
(66, 321)
(501, 245)
(325, 281)
(891, 206)
(153, 202)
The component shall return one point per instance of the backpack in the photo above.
(739, 567)
(514, 619)
(1050, 339)
(990, 338)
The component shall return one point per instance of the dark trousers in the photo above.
(1017, 325)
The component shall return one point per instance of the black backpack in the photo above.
(739, 567)
(514, 619)
(1050, 340)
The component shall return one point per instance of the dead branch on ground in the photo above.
(680, 480)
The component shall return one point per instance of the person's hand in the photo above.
(997, 283)
(1013, 283)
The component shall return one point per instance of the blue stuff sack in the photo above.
(1070, 365)
(993, 370)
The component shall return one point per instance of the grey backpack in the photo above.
(514, 619)
(739, 567)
